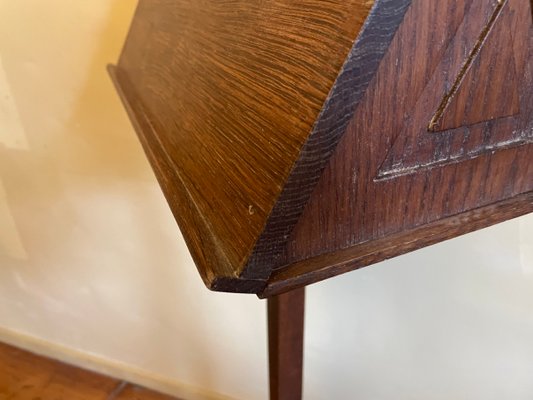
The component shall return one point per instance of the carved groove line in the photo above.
(469, 61)
(412, 152)
(358, 70)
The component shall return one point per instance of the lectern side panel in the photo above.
(445, 129)
(231, 90)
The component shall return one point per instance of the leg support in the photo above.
(285, 342)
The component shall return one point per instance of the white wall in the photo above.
(93, 268)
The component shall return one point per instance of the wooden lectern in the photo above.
(296, 140)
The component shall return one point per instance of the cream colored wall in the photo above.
(90, 256)
(93, 268)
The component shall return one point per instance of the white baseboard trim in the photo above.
(108, 367)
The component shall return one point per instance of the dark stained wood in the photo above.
(286, 339)
(413, 149)
(328, 265)
(299, 140)
(293, 142)
(486, 86)
(390, 177)
(352, 82)
(225, 93)
(26, 376)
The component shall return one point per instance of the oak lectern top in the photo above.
(298, 140)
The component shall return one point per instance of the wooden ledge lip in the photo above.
(220, 278)
(230, 96)
(215, 271)
(235, 285)
(269, 140)
(332, 264)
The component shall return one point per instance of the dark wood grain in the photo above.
(488, 92)
(285, 344)
(225, 94)
(328, 265)
(285, 133)
(299, 140)
(390, 176)
(352, 82)
(487, 85)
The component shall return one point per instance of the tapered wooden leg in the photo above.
(285, 342)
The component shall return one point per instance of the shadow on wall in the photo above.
(81, 210)
(91, 147)
(108, 150)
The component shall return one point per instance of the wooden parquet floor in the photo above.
(25, 376)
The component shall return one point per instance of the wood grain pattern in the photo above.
(328, 265)
(132, 392)
(214, 268)
(287, 135)
(352, 82)
(486, 87)
(433, 176)
(286, 344)
(229, 91)
(487, 93)
(295, 143)
(25, 376)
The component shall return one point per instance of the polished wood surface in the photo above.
(393, 184)
(299, 140)
(328, 265)
(295, 143)
(225, 94)
(357, 73)
(25, 376)
(486, 86)
(285, 344)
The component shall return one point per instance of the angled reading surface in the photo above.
(224, 95)
(392, 186)
(296, 140)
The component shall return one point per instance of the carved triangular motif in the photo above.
(472, 104)
(479, 94)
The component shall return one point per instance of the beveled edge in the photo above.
(218, 273)
(360, 67)
(328, 265)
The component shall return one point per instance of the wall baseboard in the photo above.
(108, 367)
